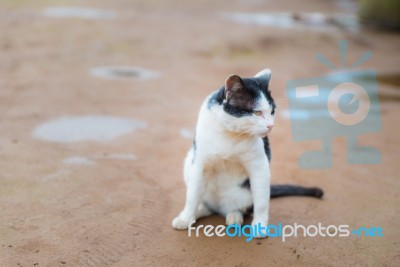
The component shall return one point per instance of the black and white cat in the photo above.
(227, 169)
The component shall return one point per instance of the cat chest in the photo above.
(224, 168)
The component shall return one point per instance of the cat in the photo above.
(227, 170)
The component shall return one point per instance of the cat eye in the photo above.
(258, 113)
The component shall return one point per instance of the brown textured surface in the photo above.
(118, 212)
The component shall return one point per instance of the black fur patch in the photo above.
(249, 211)
(217, 98)
(242, 99)
(267, 148)
(295, 190)
(246, 183)
(289, 190)
(242, 102)
(237, 111)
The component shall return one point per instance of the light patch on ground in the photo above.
(56, 175)
(120, 156)
(124, 72)
(86, 128)
(82, 160)
(79, 12)
(78, 160)
(186, 133)
(303, 21)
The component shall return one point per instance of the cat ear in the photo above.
(233, 84)
(264, 76)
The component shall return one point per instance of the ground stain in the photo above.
(383, 98)
(390, 79)
(83, 160)
(78, 160)
(232, 50)
(186, 133)
(86, 128)
(79, 12)
(123, 72)
(300, 20)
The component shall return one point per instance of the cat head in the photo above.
(247, 105)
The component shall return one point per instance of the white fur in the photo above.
(228, 149)
(265, 72)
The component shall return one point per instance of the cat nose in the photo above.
(269, 127)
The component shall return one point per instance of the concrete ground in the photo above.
(109, 198)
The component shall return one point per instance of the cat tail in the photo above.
(295, 190)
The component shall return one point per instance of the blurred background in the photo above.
(99, 100)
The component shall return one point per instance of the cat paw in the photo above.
(261, 228)
(234, 217)
(180, 223)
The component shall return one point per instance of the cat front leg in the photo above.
(259, 172)
(195, 186)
